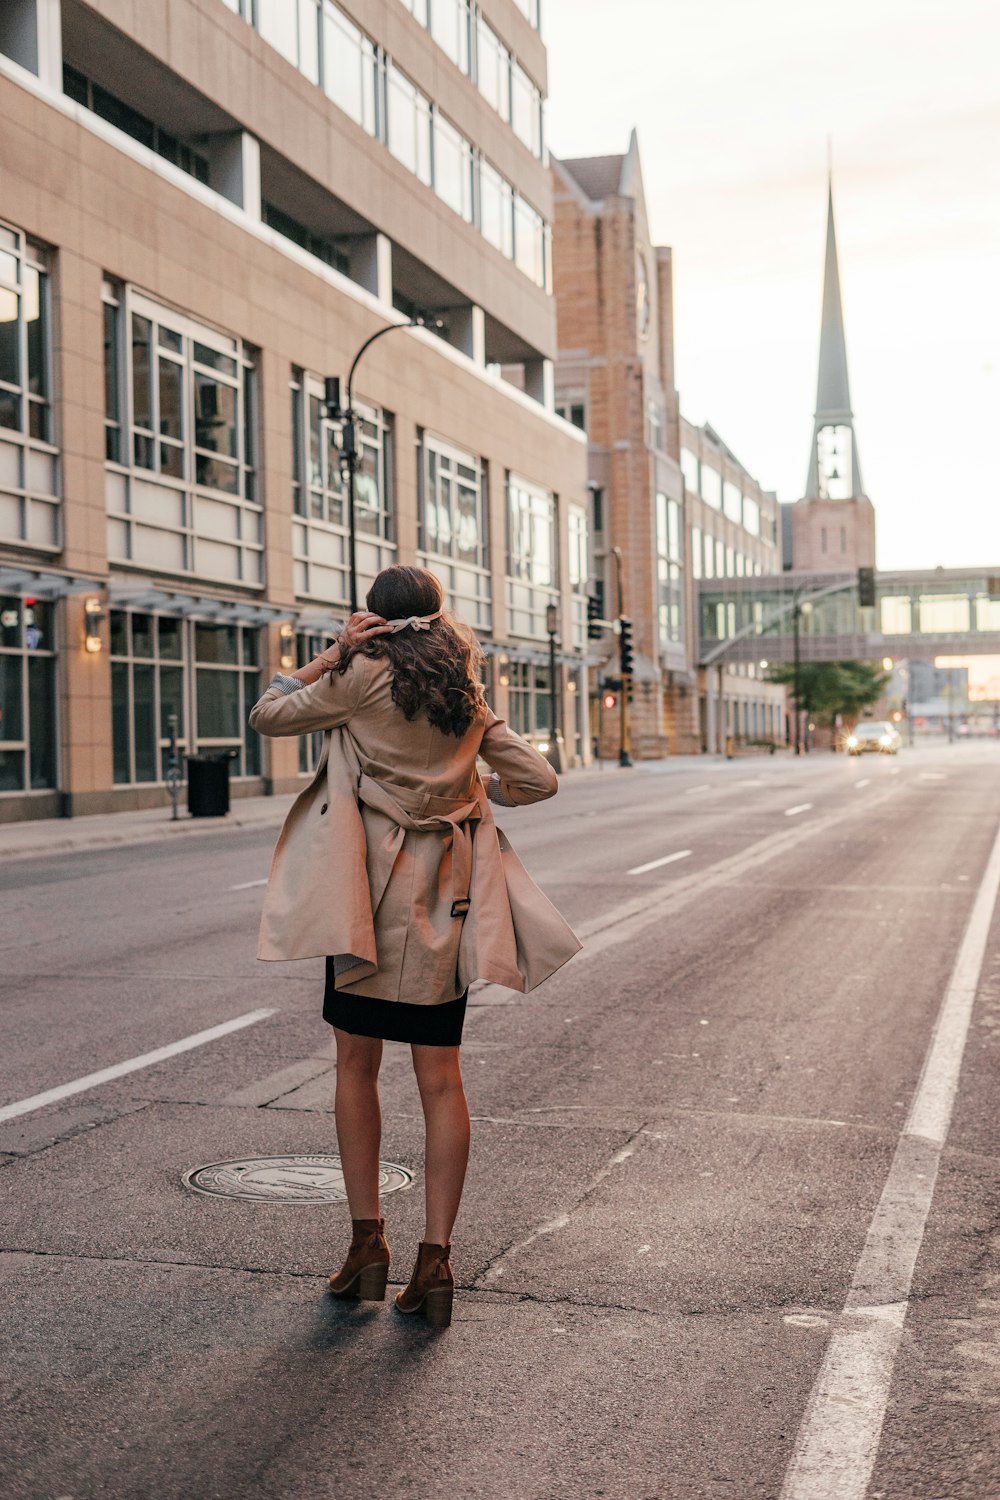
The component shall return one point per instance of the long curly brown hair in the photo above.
(435, 672)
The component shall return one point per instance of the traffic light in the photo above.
(625, 647)
(594, 627)
(866, 588)
(610, 701)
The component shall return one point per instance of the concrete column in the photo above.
(31, 34)
(371, 265)
(234, 169)
(468, 331)
(539, 382)
(710, 710)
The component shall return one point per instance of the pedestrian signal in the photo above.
(625, 647)
(866, 588)
(594, 625)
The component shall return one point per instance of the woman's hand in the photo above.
(362, 626)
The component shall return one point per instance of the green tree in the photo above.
(829, 688)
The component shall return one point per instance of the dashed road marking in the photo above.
(132, 1065)
(248, 885)
(654, 864)
(800, 807)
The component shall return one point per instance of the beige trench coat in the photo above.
(390, 862)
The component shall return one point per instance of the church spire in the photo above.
(834, 470)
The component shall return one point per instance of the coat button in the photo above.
(324, 808)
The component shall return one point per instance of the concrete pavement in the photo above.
(679, 1146)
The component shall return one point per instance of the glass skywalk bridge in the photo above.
(937, 612)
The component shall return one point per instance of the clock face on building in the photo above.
(643, 307)
(835, 463)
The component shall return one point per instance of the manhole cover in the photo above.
(286, 1179)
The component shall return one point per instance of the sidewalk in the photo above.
(46, 836)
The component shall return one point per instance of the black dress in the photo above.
(394, 1020)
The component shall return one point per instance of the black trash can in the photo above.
(208, 785)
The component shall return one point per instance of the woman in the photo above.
(390, 866)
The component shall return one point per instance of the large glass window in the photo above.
(454, 508)
(532, 554)
(180, 418)
(492, 68)
(943, 614)
(496, 209)
(526, 109)
(450, 28)
(29, 510)
(27, 695)
(453, 163)
(668, 569)
(711, 487)
(530, 242)
(529, 8)
(350, 68)
(689, 468)
(751, 515)
(408, 123)
(732, 502)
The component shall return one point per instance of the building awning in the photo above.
(192, 606)
(38, 584)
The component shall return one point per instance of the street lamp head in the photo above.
(552, 618)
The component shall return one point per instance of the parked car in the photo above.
(873, 735)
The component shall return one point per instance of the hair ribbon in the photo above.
(415, 622)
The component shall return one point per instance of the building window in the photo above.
(526, 109)
(292, 28)
(417, 9)
(81, 89)
(572, 409)
(531, 242)
(325, 250)
(408, 124)
(529, 703)
(711, 487)
(29, 506)
(451, 24)
(689, 468)
(492, 68)
(496, 209)
(654, 425)
(732, 502)
(751, 516)
(668, 569)
(529, 8)
(454, 527)
(319, 493)
(696, 555)
(597, 508)
(180, 420)
(532, 556)
(227, 685)
(453, 168)
(350, 68)
(28, 760)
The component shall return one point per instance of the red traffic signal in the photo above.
(610, 700)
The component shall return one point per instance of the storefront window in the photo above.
(27, 695)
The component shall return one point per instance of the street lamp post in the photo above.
(349, 440)
(552, 626)
(797, 669)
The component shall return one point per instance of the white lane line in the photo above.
(859, 784)
(704, 787)
(839, 1438)
(791, 812)
(118, 1070)
(654, 864)
(248, 885)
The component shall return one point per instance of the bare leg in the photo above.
(446, 1117)
(359, 1120)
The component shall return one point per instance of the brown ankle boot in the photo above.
(431, 1287)
(366, 1269)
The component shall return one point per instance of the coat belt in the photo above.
(454, 817)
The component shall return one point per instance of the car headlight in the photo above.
(852, 740)
(885, 740)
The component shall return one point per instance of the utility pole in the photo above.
(624, 743)
(797, 671)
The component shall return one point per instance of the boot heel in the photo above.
(371, 1283)
(437, 1307)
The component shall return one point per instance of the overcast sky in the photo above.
(733, 101)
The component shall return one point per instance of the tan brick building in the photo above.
(671, 497)
(207, 207)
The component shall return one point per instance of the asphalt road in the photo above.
(680, 1148)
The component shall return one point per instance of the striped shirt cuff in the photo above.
(285, 684)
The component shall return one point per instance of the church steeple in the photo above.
(834, 469)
